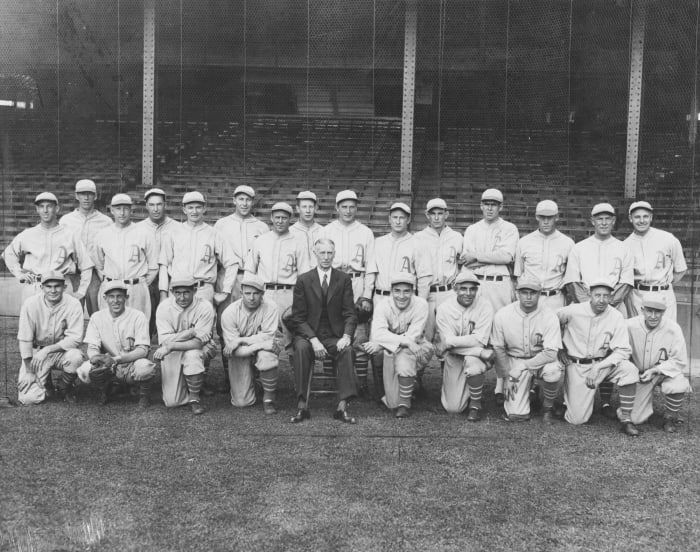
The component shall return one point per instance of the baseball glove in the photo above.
(102, 368)
(362, 314)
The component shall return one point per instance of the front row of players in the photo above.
(581, 345)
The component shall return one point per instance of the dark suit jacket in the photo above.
(307, 306)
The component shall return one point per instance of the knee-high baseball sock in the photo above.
(626, 393)
(605, 388)
(67, 381)
(476, 389)
(405, 391)
(268, 379)
(194, 386)
(224, 364)
(549, 390)
(672, 404)
(145, 387)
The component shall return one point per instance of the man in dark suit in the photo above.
(323, 322)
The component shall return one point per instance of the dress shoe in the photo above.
(609, 412)
(301, 415)
(196, 408)
(474, 415)
(629, 429)
(403, 412)
(269, 408)
(344, 417)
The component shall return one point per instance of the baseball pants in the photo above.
(402, 364)
(242, 375)
(140, 370)
(461, 364)
(518, 407)
(178, 364)
(31, 387)
(91, 300)
(499, 294)
(643, 409)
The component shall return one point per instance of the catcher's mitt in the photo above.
(362, 314)
(102, 368)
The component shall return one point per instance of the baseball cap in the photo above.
(602, 208)
(254, 281)
(184, 282)
(601, 283)
(640, 205)
(307, 195)
(492, 194)
(345, 194)
(403, 278)
(547, 208)
(466, 277)
(121, 199)
(436, 203)
(52, 276)
(529, 283)
(282, 206)
(243, 189)
(400, 205)
(654, 300)
(85, 185)
(46, 196)
(153, 191)
(114, 284)
(193, 197)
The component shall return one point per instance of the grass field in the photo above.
(119, 478)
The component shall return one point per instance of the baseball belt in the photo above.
(132, 281)
(202, 283)
(278, 286)
(355, 274)
(381, 292)
(549, 292)
(441, 288)
(491, 278)
(644, 287)
(586, 360)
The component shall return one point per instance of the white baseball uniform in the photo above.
(354, 245)
(662, 348)
(392, 255)
(258, 326)
(497, 240)
(593, 340)
(41, 325)
(543, 258)
(657, 256)
(390, 326)
(466, 332)
(127, 254)
(526, 344)
(309, 235)
(171, 320)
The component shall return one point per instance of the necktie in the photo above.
(324, 285)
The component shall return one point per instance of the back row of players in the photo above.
(470, 282)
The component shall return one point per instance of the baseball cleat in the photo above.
(269, 407)
(144, 401)
(547, 417)
(672, 425)
(629, 429)
(196, 408)
(609, 412)
(402, 412)
(474, 415)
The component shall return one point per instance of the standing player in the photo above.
(526, 339)
(117, 342)
(488, 250)
(397, 333)
(157, 224)
(250, 328)
(50, 332)
(306, 228)
(464, 325)
(443, 247)
(125, 252)
(86, 221)
(541, 256)
(185, 334)
(596, 347)
(659, 352)
(48, 246)
(658, 260)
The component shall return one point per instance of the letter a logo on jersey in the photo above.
(660, 260)
(560, 264)
(290, 266)
(617, 268)
(208, 256)
(538, 340)
(663, 356)
(359, 255)
(607, 337)
(405, 265)
(470, 327)
(135, 254)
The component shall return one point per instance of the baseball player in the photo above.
(125, 252)
(86, 221)
(659, 353)
(185, 334)
(658, 260)
(250, 326)
(306, 228)
(50, 332)
(117, 342)
(526, 339)
(397, 332)
(600, 257)
(464, 325)
(193, 250)
(443, 247)
(541, 256)
(48, 246)
(488, 250)
(277, 257)
(157, 224)
(596, 349)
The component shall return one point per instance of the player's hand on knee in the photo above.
(161, 352)
(319, 349)
(592, 378)
(649, 375)
(25, 381)
(38, 359)
(372, 348)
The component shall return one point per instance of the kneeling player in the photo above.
(397, 331)
(185, 324)
(659, 353)
(596, 349)
(50, 329)
(250, 329)
(464, 324)
(118, 340)
(526, 339)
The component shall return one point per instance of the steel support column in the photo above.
(634, 109)
(149, 90)
(409, 85)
